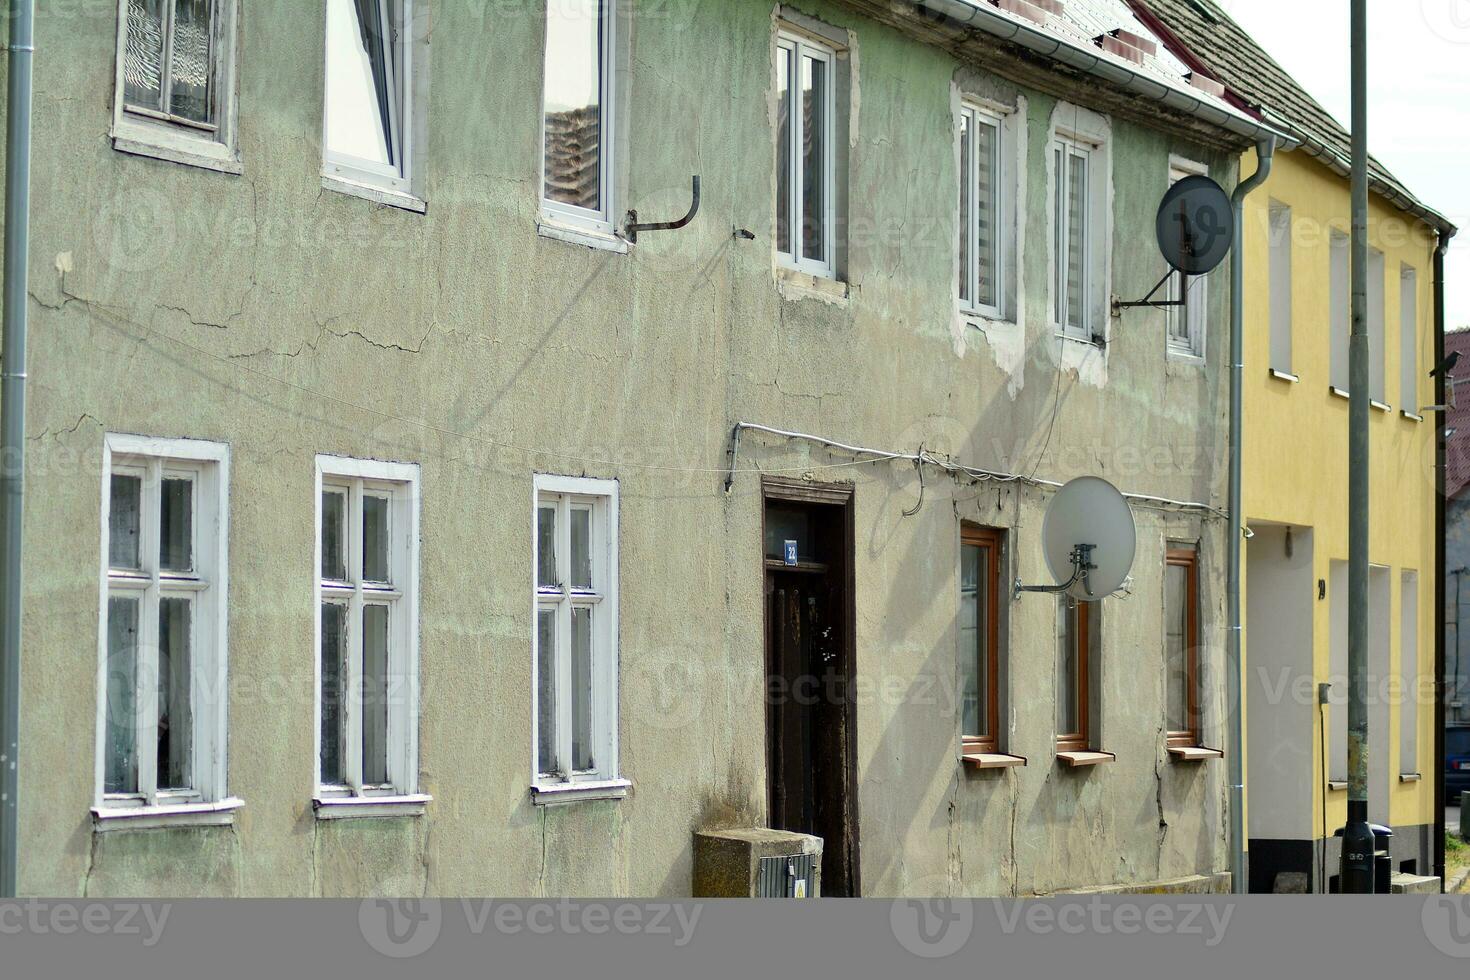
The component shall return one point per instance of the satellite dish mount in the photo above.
(1082, 567)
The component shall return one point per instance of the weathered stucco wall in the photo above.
(285, 320)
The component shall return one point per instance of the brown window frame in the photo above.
(1188, 559)
(992, 541)
(1082, 636)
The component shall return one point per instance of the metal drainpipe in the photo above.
(12, 419)
(1440, 653)
(1265, 154)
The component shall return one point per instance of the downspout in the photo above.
(1439, 562)
(12, 418)
(1235, 669)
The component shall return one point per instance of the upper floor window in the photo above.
(161, 736)
(1409, 340)
(805, 154)
(175, 81)
(372, 103)
(1079, 235)
(1279, 268)
(367, 631)
(1186, 323)
(577, 121)
(574, 639)
(987, 228)
(1339, 308)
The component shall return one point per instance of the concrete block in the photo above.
(1291, 883)
(726, 861)
(1414, 885)
(1210, 884)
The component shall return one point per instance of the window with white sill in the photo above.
(161, 647)
(578, 117)
(374, 99)
(175, 84)
(987, 223)
(574, 637)
(1080, 229)
(367, 629)
(1186, 324)
(806, 109)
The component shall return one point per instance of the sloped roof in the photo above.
(1206, 38)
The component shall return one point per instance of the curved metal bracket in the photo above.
(1082, 566)
(631, 225)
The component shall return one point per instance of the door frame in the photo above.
(829, 495)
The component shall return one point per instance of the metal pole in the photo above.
(1357, 841)
(1235, 669)
(13, 419)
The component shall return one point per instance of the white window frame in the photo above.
(799, 46)
(399, 482)
(208, 465)
(1195, 313)
(601, 496)
(1280, 246)
(147, 133)
(974, 113)
(1071, 145)
(400, 186)
(602, 222)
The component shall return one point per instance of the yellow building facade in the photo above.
(1295, 502)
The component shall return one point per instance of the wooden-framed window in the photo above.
(574, 637)
(578, 114)
(1181, 646)
(175, 84)
(979, 650)
(366, 635)
(806, 107)
(161, 647)
(1078, 629)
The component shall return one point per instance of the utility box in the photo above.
(757, 863)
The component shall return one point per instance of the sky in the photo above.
(1418, 96)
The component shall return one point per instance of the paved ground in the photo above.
(1452, 819)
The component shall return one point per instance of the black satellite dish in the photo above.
(1196, 230)
(1195, 225)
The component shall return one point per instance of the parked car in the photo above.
(1456, 762)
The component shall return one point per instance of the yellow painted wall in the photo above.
(1295, 464)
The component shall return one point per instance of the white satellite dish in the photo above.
(1088, 538)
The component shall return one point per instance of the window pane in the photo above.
(1059, 235)
(582, 690)
(573, 103)
(334, 527)
(176, 526)
(784, 182)
(143, 54)
(191, 94)
(375, 539)
(970, 649)
(1077, 241)
(123, 522)
(814, 83)
(1068, 718)
(375, 691)
(581, 548)
(987, 171)
(546, 690)
(175, 700)
(360, 90)
(120, 742)
(965, 206)
(1176, 646)
(334, 668)
(546, 547)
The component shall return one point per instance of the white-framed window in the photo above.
(578, 115)
(374, 98)
(1409, 339)
(1076, 236)
(162, 639)
(574, 636)
(986, 224)
(1377, 326)
(175, 92)
(1187, 324)
(806, 223)
(1279, 243)
(1340, 307)
(367, 609)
